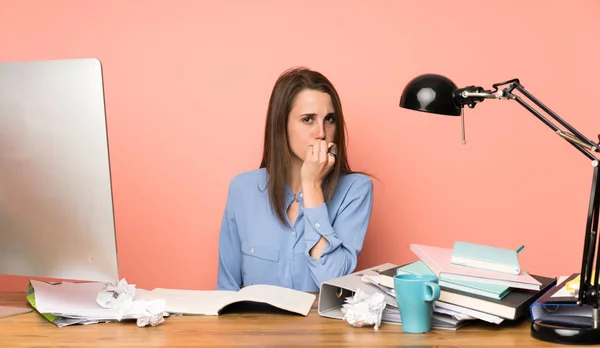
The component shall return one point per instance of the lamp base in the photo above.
(564, 333)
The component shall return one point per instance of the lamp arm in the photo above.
(574, 135)
(588, 287)
(472, 95)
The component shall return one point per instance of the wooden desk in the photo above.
(247, 327)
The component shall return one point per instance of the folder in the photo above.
(561, 307)
(333, 293)
(562, 313)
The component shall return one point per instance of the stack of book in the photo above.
(490, 287)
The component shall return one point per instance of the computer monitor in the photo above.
(56, 204)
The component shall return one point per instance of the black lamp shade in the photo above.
(430, 93)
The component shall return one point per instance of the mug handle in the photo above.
(432, 292)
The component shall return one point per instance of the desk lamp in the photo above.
(437, 94)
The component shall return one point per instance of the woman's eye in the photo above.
(330, 119)
(307, 119)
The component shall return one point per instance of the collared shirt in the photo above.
(256, 248)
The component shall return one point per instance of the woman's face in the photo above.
(311, 119)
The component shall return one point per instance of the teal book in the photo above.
(485, 257)
(496, 292)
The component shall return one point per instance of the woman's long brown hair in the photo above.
(277, 155)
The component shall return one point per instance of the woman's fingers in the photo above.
(309, 153)
(331, 155)
(322, 151)
(315, 150)
(332, 150)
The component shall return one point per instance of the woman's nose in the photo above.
(321, 131)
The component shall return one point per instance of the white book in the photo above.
(211, 302)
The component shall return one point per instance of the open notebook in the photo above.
(211, 302)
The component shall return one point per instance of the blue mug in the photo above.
(415, 294)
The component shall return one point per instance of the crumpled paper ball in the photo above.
(147, 312)
(363, 310)
(116, 295)
(120, 295)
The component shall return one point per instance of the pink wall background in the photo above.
(187, 85)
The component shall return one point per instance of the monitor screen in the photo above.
(56, 207)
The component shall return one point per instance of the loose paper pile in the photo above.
(88, 303)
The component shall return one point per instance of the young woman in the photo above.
(301, 218)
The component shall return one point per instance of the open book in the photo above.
(211, 302)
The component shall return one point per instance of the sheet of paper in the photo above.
(11, 311)
(378, 281)
(563, 292)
